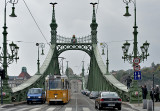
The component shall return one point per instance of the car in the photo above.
(82, 91)
(36, 95)
(87, 93)
(93, 95)
(108, 100)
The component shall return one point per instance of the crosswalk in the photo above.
(42, 109)
(53, 109)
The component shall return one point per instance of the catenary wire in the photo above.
(97, 6)
(36, 22)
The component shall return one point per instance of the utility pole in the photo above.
(62, 58)
(67, 70)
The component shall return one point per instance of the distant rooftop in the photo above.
(24, 73)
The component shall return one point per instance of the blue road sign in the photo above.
(137, 75)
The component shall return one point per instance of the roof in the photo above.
(24, 75)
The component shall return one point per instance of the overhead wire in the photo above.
(85, 53)
(97, 6)
(35, 22)
(81, 62)
(26, 42)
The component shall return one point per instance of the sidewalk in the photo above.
(11, 105)
(139, 107)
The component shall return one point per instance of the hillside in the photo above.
(147, 75)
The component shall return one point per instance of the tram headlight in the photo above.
(39, 96)
(28, 96)
(55, 96)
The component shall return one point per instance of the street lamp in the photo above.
(105, 45)
(135, 55)
(5, 57)
(62, 58)
(39, 45)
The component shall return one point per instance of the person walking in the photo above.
(144, 92)
(152, 92)
(157, 93)
(128, 80)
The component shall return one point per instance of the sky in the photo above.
(74, 18)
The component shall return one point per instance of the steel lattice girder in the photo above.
(86, 47)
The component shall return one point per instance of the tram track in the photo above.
(88, 101)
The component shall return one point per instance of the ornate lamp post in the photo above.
(135, 55)
(7, 58)
(39, 45)
(105, 45)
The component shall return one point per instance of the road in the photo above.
(78, 102)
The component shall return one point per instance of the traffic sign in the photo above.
(137, 75)
(137, 68)
(136, 60)
(3, 93)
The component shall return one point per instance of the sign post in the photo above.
(1, 92)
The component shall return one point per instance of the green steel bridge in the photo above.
(98, 79)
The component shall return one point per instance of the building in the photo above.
(17, 80)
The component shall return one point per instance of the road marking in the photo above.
(10, 109)
(86, 109)
(23, 109)
(35, 109)
(68, 109)
(128, 109)
(50, 109)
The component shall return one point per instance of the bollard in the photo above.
(150, 105)
(144, 103)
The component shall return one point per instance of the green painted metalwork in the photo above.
(134, 98)
(97, 79)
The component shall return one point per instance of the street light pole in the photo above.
(134, 88)
(7, 58)
(62, 58)
(38, 61)
(67, 70)
(107, 61)
(105, 45)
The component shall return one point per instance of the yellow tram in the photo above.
(57, 89)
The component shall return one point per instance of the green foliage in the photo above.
(147, 75)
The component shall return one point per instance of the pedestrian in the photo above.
(144, 92)
(128, 80)
(152, 92)
(157, 93)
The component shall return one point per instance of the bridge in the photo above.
(98, 79)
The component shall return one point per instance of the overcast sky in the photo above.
(74, 17)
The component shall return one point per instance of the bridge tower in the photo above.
(53, 26)
(94, 25)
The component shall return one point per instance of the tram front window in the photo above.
(55, 84)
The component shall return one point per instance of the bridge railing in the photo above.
(85, 39)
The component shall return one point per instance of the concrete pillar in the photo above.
(150, 104)
(144, 104)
